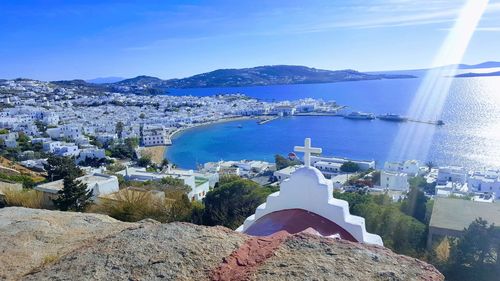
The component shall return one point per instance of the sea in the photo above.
(469, 138)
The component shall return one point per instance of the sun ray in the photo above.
(428, 103)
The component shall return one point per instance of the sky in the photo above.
(55, 40)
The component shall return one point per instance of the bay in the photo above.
(470, 136)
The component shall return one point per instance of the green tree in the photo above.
(74, 196)
(475, 255)
(144, 161)
(421, 183)
(430, 165)
(119, 129)
(232, 202)
(282, 162)
(415, 204)
(349, 167)
(123, 149)
(61, 167)
(400, 232)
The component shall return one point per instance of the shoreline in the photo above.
(175, 134)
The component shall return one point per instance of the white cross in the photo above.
(307, 149)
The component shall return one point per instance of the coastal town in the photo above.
(72, 121)
(118, 139)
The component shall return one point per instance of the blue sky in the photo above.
(52, 40)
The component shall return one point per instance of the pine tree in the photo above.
(74, 196)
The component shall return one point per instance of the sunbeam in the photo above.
(415, 139)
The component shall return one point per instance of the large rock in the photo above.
(30, 238)
(100, 248)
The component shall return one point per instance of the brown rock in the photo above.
(100, 248)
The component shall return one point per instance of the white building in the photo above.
(328, 168)
(283, 110)
(91, 153)
(454, 174)
(10, 139)
(285, 173)
(362, 164)
(155, 135)
(487, 181)
(99, 184)
(410, 167)
(66, 149)
(305, 202)
(394, 181)
(199, 185)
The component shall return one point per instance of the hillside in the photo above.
(488, 64)
(256, 76)
(471, 74)
(51, 245)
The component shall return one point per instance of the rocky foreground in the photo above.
(50, 245)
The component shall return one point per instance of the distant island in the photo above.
(472, 74)
(244, 77)
(258, 76)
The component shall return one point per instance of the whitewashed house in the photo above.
(10, 139)
(199, 185)
(452, 174)
(91, 153)
(487, 181)
(67, 150)
(394, 181)
(410, 167)
(155, 135)
(99, 184)
(362, 164)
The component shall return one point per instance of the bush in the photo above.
(282, 162)
(116, 167)
(132, 206)
(400, 232)
(144, 161)
(349, 167)
(232, 202)
(24, 198)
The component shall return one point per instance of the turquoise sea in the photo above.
(470, 136)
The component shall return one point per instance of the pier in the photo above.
(266, 120)
(437, 123)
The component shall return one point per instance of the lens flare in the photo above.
(427, 105)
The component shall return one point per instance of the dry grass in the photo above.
(442, 250)
(132, 206)
(157, 153)
(49, 259)
(24, 198)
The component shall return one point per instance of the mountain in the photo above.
(52, 245)
(105, 80)
(488, 64)
(471, 74)
(257, 76)
(142, 80)
(272, 75)
(422, 72)
(75, 82)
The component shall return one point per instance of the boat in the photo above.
(360, 115)
(440, 122)
(392, 117)
(240, 126)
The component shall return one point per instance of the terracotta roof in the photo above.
(295, 221)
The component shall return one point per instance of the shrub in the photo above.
(132, 206)
(24, 198)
